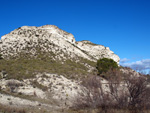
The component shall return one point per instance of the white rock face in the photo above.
(6, 99)
(61, 88)
(21, 87)
(51, 39)
(97, 51)
(57, 87)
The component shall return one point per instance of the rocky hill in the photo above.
(43, 67)
(51, 41)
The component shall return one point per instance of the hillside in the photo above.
(28, 50)
(50, 39)
(45, 70)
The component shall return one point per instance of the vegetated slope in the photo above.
(43, 66)
(48, 49)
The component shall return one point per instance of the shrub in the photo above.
(130, 93)
(105, 64)
(1, 56)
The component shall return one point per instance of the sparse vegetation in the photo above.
(25, 58)
(36, 84)
(88, 42)
(17, 109)
(126, 94)
(22, 68)
(13, 85)
(7, 109)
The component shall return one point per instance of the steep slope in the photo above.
(97, 51)
(31, 50)
(51, 40)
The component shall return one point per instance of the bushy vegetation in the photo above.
(105, 64)
(127, 94)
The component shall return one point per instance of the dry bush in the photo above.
(117, 90)
(94, 97)
(138, 92)
(13, 85)
(125, 92)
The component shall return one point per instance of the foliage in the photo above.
(105, 64)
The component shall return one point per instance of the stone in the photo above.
(50, 38)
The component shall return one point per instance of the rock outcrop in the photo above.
(44, 67)
(50, 39)
(97, 51)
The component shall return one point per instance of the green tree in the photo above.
(105, 64)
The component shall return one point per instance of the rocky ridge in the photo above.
(52, 40)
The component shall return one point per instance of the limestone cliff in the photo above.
(30, 40)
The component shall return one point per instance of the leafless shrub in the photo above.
(13, 85)
(117, 89)
(125, 91)
(129, 91)
(94, 97)
(137, 91)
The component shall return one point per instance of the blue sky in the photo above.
(122, 25)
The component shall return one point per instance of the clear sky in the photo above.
(122, 25)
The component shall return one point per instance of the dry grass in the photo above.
(8, 109)
(27, 68)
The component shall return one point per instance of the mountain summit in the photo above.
(50, 40)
